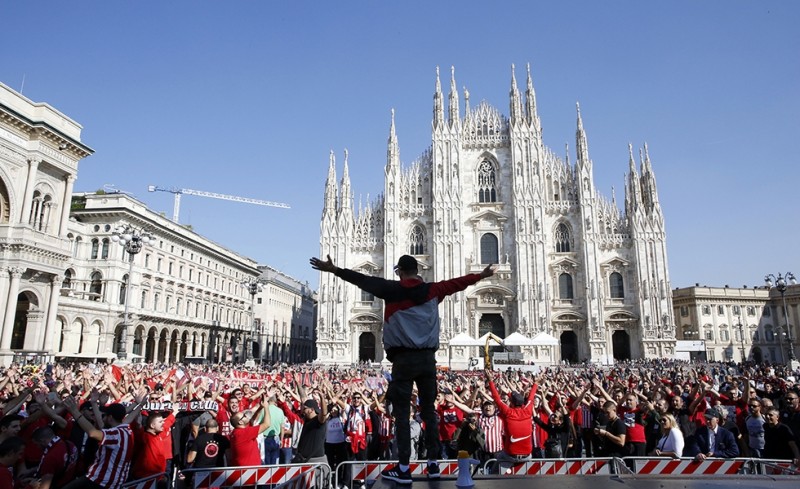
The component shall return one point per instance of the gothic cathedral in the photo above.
(578, 277)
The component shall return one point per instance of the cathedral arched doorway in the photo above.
(758, 355)
(569, 347)
(491, 323)
(20, 329)
(621, 345)
(366, 347)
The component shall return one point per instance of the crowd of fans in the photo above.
(121, 423)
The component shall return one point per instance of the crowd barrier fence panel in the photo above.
(370, 470)
(144, 483)
(775, 467)
(689, 466)
(557, 466)
(257, 475)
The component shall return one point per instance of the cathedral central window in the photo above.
(487, 191)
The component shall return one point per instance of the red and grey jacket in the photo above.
(411, 312)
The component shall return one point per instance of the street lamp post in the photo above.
(741, 334)
(132, 240)
(253, 287)
(781, 285)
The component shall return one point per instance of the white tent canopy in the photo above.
(482, 340)
(463, 339)
(544, 339)
(516, 339)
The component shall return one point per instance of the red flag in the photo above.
(116, 372)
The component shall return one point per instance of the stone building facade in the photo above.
(737, 323)
(63, 279)
(40, 149)
(571, 262)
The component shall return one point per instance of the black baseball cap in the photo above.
(406, 263)
(116, 411)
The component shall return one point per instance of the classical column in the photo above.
(168, 349)
(11, 308)
(178, 344)
(190, 346)
(65, 206)
(30, 182)
(52, 310)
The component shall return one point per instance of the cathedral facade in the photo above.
(571, 264)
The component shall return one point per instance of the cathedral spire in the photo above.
(581, 146)
(330, 188)
(632, 197)
(454, 116)
(347, 192)
(649, 181)
(516, 104)
(466, 103)
(530, 104)
(392, 149)
(438, 103)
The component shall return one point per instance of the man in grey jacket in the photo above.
(410, 338)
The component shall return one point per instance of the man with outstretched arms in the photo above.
(410, 338)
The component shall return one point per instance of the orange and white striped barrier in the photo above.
(669, 466)
(144, 483)
(372, 470)
(563, 467)
(223, 477)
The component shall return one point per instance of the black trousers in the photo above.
(409, 367)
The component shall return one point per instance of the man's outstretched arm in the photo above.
(375, 285)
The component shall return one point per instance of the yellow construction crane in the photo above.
(176, 208)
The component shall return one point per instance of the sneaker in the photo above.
(433, 470)
(393, 473)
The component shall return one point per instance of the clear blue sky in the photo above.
(248, 97)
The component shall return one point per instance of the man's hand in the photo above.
(323, 266)
(487, 272)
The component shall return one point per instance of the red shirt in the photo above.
(33, 452)
(60, 461)
(244, 449)
(450, 419)
(519, 422)
(6, 477)
(151, 451)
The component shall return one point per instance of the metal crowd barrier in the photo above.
(554, 466)
(149, 482)
(292, 476)
(689, 466)
(319, 476)
(370, 470)
(775, 467)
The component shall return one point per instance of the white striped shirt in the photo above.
(494, 430)
(110, 468)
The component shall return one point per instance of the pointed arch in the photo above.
(562, 238)
(487, 180)
(416, 240)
